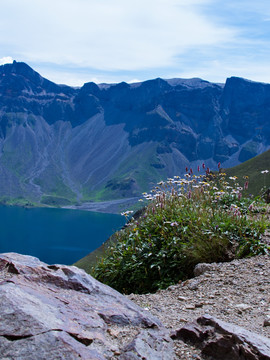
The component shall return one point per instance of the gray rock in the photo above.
(242, 307)
(150, 345)
(193, 284)
(224, 341)
(202, 268)
(60, 312)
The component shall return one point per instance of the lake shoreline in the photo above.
(106, 207)
(109, 206)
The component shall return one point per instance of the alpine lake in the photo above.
(55, 236)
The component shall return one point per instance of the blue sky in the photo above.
(76, 41)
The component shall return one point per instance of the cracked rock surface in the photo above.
(60, 312)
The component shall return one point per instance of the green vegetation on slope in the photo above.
(253, 169)
(20, 201)
(187, 221)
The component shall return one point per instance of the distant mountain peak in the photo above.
(19, 68)
(29, 79)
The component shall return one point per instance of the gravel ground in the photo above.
(237, 292)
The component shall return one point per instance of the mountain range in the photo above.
(62, 145)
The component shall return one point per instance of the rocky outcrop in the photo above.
(60, 144)
(224, 341)
(60, 312)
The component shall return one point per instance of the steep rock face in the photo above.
(59, 144)
(60, 312)
(246, 109)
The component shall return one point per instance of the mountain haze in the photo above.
(60, 144)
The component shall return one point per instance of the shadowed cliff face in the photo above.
(59, 144)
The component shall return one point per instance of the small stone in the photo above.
(182, 298)
(193, 285)
(172, 287)
(224, 311)
(190, 307)
(202, 268)
(242, 307)
(113, 333)
(199, 305)
(266, 321)
(183, 320)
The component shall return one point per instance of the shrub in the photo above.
(187, 221)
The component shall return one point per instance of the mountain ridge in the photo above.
(60, 145)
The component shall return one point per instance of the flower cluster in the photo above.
(213, 187)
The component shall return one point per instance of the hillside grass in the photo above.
(253, 168)
(187, 221)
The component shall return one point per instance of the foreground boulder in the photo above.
(60, 312)
(224, 341)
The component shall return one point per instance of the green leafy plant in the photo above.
(200, 218)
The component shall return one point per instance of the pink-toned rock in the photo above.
(60, 312)
(224, 341)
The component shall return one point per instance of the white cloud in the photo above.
(75, 41)
(75, 78)
(220, 70)
(133, 81)
(6, 60)
(126, 35)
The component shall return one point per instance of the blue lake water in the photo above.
(55, 235)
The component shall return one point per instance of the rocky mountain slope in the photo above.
(60, 145)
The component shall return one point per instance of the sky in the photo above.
(76, 41)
